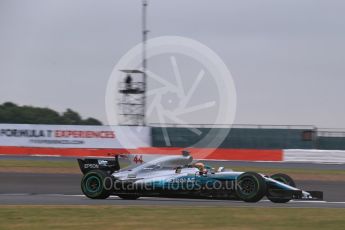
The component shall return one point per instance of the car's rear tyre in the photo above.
(250, 187)
(96, 184)
(128, 197)
(284, 179)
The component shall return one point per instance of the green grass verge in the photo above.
(120, 217)
(39, 163)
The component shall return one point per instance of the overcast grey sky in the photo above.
(287, 57)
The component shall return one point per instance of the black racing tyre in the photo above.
(284, 179)
(250, 187)
(128, 196)
(96, 184)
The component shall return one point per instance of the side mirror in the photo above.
(220, 169)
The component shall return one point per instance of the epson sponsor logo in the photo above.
(91, 166)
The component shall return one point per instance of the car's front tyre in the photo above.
(283, 178)
(96, 184)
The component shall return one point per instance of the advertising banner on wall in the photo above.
(74, 136)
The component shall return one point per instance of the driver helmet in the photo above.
(200, 166)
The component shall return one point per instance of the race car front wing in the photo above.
(296, 194)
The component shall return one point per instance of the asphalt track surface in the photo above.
(57, 189)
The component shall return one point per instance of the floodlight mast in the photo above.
(144, 61)
(132, 101)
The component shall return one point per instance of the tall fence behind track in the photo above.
(331, 139)
(251, 136)
(239, 136)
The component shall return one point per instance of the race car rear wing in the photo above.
(107, 165)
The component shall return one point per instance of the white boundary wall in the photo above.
(314, 155)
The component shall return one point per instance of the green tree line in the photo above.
(14, 114)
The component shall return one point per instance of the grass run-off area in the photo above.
(39, 163)
(155, 217)
(71, 166)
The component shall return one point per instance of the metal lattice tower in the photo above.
(132, 103)
(132, 99)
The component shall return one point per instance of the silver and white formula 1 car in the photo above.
(176, 176)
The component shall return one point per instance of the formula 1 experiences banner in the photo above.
(74, 136)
